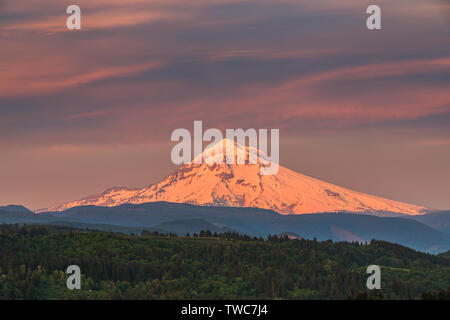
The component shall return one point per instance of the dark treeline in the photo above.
(33, 260)
(443, 294)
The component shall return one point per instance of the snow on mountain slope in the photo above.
(110, 197)
(243, 186)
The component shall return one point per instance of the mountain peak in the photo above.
(231, 152)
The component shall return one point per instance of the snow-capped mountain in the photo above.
(242, 185)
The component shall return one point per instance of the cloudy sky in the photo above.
(84, 110)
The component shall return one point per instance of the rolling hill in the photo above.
(183, 218)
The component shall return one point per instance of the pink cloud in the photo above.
(38, 79)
